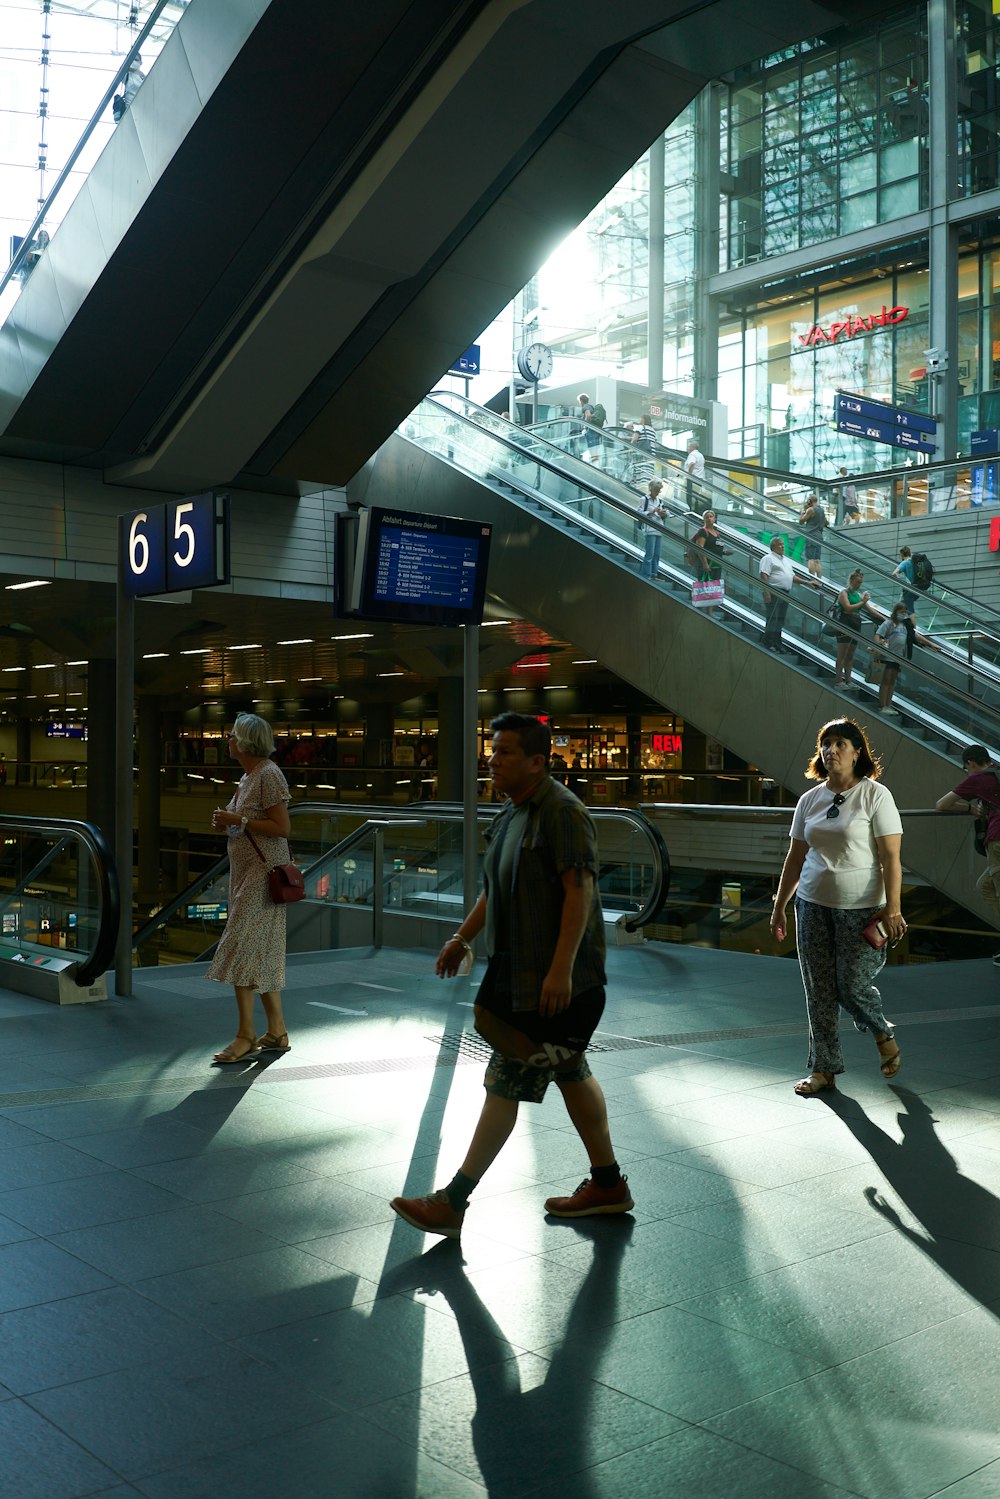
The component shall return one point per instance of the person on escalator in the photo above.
(651, 509)
(812, 522)
(979, 794)
(778, 577)
(694, 467)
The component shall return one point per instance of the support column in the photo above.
(148, 893)
(654, 323)
(706, 257)
(943, 246)
(379, 722)
(451, 739)
(101, 749)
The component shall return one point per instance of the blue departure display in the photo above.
(427, 569)
(415, 568)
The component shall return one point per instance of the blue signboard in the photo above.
(467, 363)
(876, 421)
(183, 544)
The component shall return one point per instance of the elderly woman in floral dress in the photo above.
(251, 952)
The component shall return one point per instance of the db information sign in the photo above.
(183, 544)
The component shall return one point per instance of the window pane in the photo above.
(857, 174)
(857, 213)
(900, 198)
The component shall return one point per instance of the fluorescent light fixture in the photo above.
(15, 668)
(556, 687)
(273, 681)
(592, 661)
(76, 663)
(197, 650)
(254, 646)
(517, 689)
(239, 684)
(151, 655)
(37, 583)
(293, 642)
(368, 636)
(46, 665)
(532, 665)
(490, 624)
(391, 673)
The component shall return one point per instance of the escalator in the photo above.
(388, 876)
(566, 553)
(943, 611)
(59, 908)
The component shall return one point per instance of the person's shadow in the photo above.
(956, 1213)
(544, 1431)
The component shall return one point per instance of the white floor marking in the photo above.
(341, 1010)
(361, 984)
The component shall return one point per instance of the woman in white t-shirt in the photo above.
(844, 862)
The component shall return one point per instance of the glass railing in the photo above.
(726, 904)
(59, 905)
(387, 864)
(943, 691)
(773, 510)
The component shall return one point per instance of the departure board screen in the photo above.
(424, 569)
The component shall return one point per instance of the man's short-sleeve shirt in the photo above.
(983, 786)
(529, 848)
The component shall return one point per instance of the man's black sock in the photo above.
(460, 1189)
(606, 1176)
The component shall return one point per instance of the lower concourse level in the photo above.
(203, 1290)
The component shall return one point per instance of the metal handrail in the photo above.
(103, 865)
(377, 819)
(585, 480)
(24, 248)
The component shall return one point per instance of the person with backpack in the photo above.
(916, 570)
(979, 794)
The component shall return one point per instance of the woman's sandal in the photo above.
(891, 1060)
(270, 1042)
(816, 1082)
(230, 1054)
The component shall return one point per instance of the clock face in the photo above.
(535, 362)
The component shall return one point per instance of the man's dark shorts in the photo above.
(570, 1030)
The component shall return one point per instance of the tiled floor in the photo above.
(203, 1290)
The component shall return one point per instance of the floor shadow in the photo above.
(524, 1438)
(955, 1212)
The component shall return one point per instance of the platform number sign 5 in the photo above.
(183, 544)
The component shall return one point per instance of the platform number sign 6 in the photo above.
(183, 544)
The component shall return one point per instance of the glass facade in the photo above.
(823, 140)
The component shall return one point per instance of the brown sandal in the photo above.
(230, 1054)
(891, 1060)
(270, 1042)
(816, 1082)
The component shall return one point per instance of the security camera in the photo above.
(935, 360)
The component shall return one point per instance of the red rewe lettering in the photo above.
(995, 533)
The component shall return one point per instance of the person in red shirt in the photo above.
(979, 794)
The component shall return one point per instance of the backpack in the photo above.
(598, 416)
(923, 571)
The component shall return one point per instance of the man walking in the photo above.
(542, 996)
(979, 793)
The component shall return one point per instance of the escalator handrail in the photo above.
(859, 552)
(585, 483)
(103, 864)
(751, 544)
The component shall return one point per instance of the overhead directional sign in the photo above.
(877, 421)
(467, 363)
(168, 548)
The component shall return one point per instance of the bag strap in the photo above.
(256, 848)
